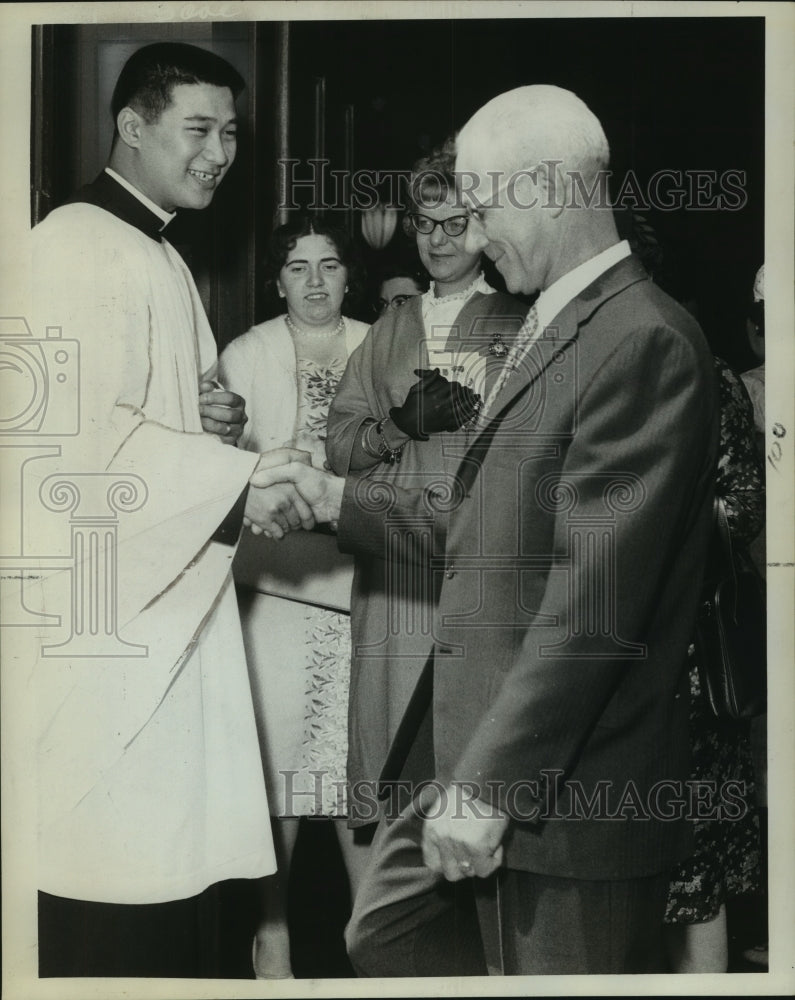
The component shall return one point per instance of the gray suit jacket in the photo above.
(389, 610)
(568, 562)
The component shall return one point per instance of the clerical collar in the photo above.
(161, 213)
(112, 194)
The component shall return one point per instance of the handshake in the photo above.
(286, 493)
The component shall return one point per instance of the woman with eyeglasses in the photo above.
(404, 408)
(294, 591)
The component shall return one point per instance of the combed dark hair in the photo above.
(150, 74)
(286, 236)
(404, 269)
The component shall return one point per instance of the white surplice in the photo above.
(150, 783)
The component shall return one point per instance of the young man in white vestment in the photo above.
(150, 785)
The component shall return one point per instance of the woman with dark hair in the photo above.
(294, 593)
(397, 284)
(387, 426)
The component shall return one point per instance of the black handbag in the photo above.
(731, 629)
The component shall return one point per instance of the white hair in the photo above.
(759, 285)
(522, 127)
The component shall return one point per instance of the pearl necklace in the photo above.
(320, 335)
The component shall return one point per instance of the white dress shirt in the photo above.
(553, 299)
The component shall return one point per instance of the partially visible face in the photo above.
(503, 221)
(185, 154)
(446, 258)
(313, 281)
(395, 291)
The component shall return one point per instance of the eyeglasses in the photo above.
(453, 226)
(394, 303)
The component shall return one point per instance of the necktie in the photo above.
(524, 338)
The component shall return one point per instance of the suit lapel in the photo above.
(546, 347)
(550, 344)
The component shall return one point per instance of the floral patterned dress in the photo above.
(297, 646)
(726, 860)
(327, 635)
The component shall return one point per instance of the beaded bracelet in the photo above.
(387, 454)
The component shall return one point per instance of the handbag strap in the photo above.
(724, 533)
(727, 549)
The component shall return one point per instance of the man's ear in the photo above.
(554, 185)
(129, 124)
(543, 185)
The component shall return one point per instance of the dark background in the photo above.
(672, 93)
(675, 93)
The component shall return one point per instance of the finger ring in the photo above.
(228, 429)
(465, 866)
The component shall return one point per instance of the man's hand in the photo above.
(433, 404)
(277, 509)
(222, 413)
(322, 491)
(278, 457)
(461, 837)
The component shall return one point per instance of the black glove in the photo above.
(433, 404)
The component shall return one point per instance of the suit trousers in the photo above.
(409, 921)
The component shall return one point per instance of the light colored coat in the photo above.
(145, 750)
(261, 366)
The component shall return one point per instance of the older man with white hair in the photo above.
(546, 743)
